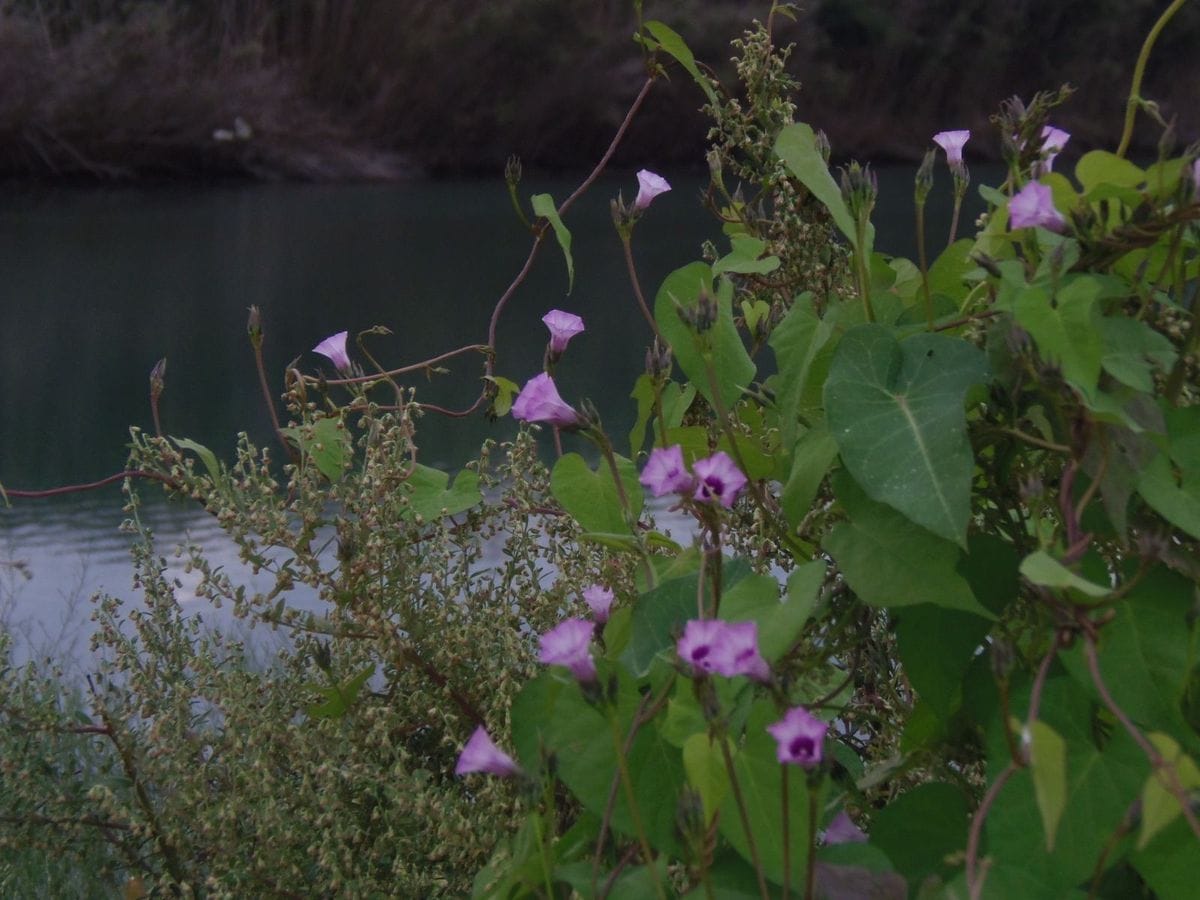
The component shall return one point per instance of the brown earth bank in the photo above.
(380, 89)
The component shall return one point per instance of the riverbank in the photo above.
(329, 91)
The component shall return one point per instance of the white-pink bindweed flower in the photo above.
(563, 326)
(723, 648)
(1033, 207)
(334, 347)
(649, 187)
(800, 738)
(599, 600)
(568, 644)
(718, 478)
(665, 472)
(1053, 140)
(482, 755)
(953, 142)
(539, 401)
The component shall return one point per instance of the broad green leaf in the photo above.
(591, 496)
(544, 206)
(811, 458)
(674, 45)
(339, 698)
(1146, 654)
(1043, 569)
(506, 390)
(744, 258)
(1098, 167)
(1159, 804)
(643, 393)
(660, 614)
(1178, 503)
(756, 598)
(797, 147)
(895, 409)
(937, 647)
(947, 272)
(705, 768)
(759, 776)
(1066, 330)
(325, 442)
(1048, 763)
(1170, 862)
(801, 342)
(1100, 786)
(920, 828)
(889, 562)
(432, 496)
(726, 356)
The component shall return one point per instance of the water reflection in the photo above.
(100, 284)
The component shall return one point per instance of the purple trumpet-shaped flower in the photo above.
(563, 326)
(599, 600)
(1053, 140)
(649, 187)
(1033, 207)
(800, 737)
(567, 644)
(718, 478)
(723, 648)
(952, 142)
(482, 755)
(334, 347)
(665, 472)
(842, 830)
(539, 401)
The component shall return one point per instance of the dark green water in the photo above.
(97, 285)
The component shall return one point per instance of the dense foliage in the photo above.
(918, 621)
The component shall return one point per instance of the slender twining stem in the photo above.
(634, 812)
(423, 365)
(974, 877)
(744, 816)
(256, 343)
(1139, 71)
(863, 268)
(921, 257)
(958, 199)
(91, 485)
(810, 872)
(627, 244)
(606, 450)
(785, 831)
(1162, 768)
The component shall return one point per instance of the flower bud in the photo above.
(924, 180)
(512, 171)
(254, 326)
(821, 141)
(706, 312)
(158, 377)
(658, 360)
(860, 187)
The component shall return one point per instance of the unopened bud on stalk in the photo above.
(924, 180)
(254, 326)
(860, 187)
(986, 263)
(821, 141)
(158, 377)
(658, 360)
(706, 311)
(512, 171)
(589, 416)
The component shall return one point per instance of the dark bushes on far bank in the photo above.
(375, 89)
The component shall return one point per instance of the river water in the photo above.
(99, 284)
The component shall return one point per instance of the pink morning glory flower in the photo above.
(737, 653)
(842, 830)
(723, 648)
(665, 472)
(952, 142)
(567, 644)
(563, 326)
(482, 755)
(800, 737)
(1196, 177)
(599, 600)
(1033, 207)
(539, 401)
(334, 347)
(1053, 140)
(649, 187)
(718, 478)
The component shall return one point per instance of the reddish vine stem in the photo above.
(1162, 768)
(91, 485)
(974, 878)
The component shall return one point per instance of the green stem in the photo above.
(924, 264)
(958, 199)
(810, 876)
(634, 813)
(1139, 71)
(606, 449)
(745, 817)
(785, 835)
(862, 266)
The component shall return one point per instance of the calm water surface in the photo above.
(100, 284)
